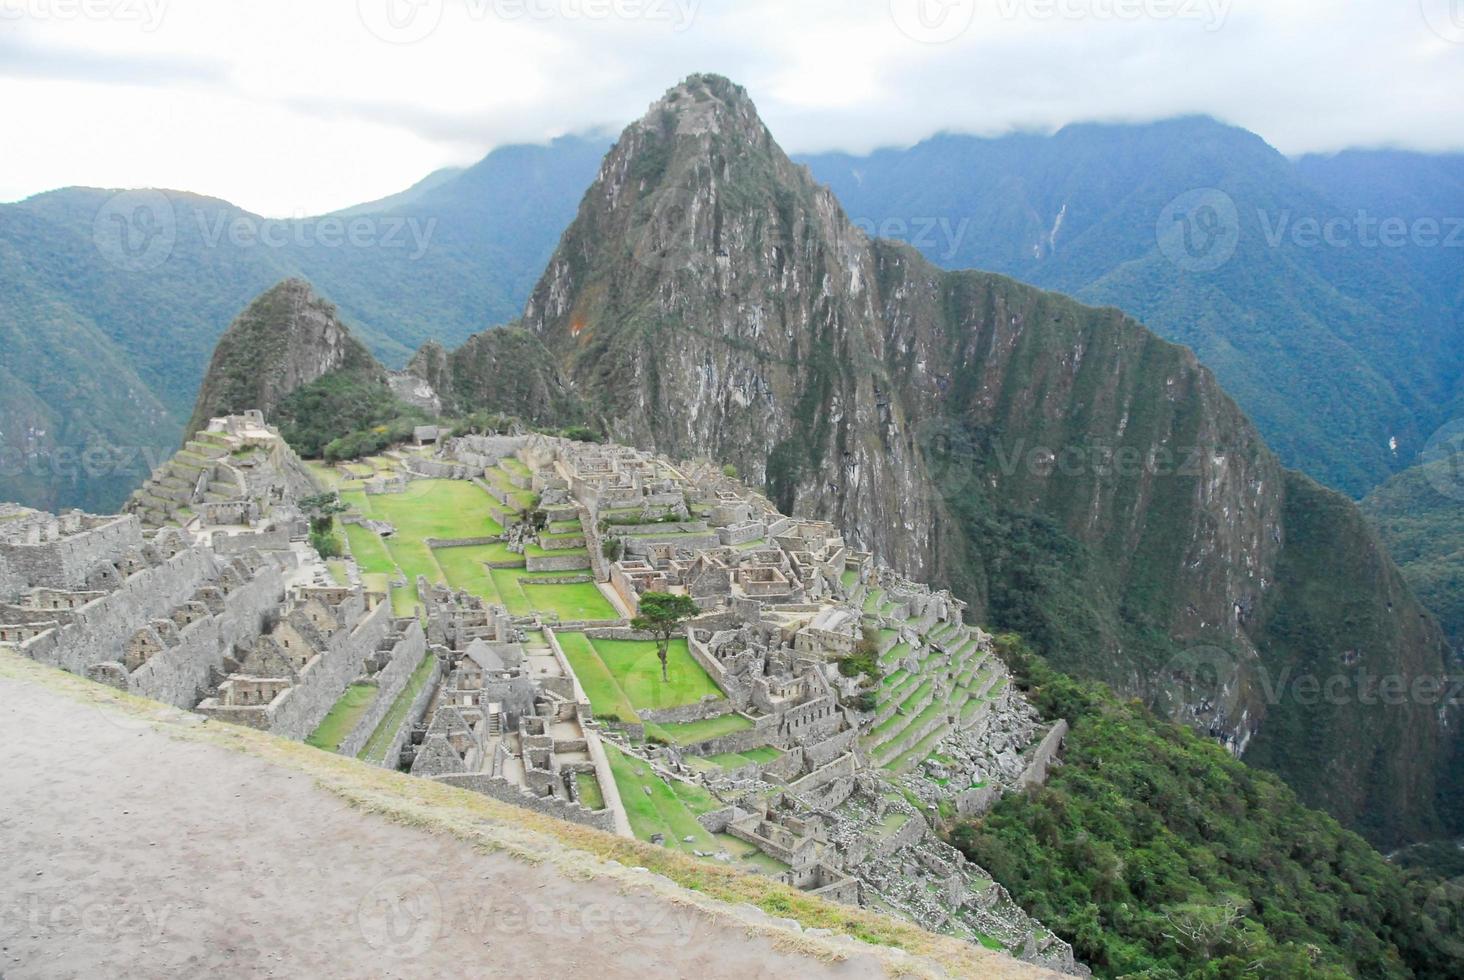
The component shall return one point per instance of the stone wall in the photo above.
(507, 792)
(639, 547)
(822, 753)
(557, 563)
(324, 680)
(1036, 772)
(460, 542)
(390, 682)
(102, 628)
(708, 707)
(12, 582)
(843, 767)
(178, 674)
(415, 713)
(274, 539)
(66, 562)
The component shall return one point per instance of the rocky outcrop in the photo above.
(285, 339)
(505, 370)
(1060, 466)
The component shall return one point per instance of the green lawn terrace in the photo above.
(939, 679)
(343, 717)
(664, 810)
(385, 734)
(430, 519)
(622, 678)
(510, 485)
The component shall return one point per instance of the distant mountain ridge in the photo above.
(1340, 353)
(109, 354)
(1336, 353)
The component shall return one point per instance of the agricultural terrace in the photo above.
(448, 510)
(669, 809)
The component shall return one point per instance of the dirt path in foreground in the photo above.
(127, 853)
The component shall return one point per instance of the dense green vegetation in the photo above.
(1424, 530)
(1159, 855)
(345, 415)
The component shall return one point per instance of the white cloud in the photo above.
(289, 107)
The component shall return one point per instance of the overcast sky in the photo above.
(293, 107)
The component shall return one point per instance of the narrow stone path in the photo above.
(127, 852)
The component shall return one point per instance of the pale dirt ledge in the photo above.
(446, 874)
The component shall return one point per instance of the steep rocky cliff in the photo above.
(508, 369)
(1069, 472)
(286, 338)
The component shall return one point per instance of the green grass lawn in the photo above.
(637, 669)
(692, 732)
(589, 790)
(575, 601)
(735, 760)
(381, 739)
(672, 809)
(607, 700)
(669, 809)
(370, 554)
(343, 717)
(437, 509)
(465, 569)
(578, 601)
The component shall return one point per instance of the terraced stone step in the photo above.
(917, 753)
(205, 450)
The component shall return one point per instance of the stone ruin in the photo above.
(205, 596)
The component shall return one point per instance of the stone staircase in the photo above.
(197, 473)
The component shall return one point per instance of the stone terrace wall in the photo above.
(1036, 772)
(325, 678)
(102, 628)
(415, 713)
(11, 580)
(64, 563)
(177, 674)
(392, 680)
(507, 792)
(577, 561)
(275, 539)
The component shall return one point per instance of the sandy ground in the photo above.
(128, 853)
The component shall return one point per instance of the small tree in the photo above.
(322, 509)
(661, 613)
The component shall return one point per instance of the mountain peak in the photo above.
(287, 337)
